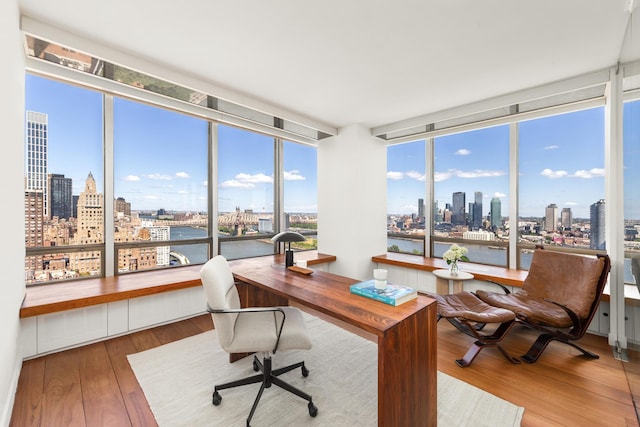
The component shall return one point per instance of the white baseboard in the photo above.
(7, 409)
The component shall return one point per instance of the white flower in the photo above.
(455, 253)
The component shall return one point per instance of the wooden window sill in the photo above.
(55, 297)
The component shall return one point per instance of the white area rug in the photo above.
(178, 380)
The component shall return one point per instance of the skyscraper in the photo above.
(597, 225)
(477, 211)
(60, 196)
(36, 155)
(90, 227)
(496, 214)
(551, 218)
(458, 214)
(421, 209)
(566, 218)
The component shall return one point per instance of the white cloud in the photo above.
(416, 175)
(554, 174)
(258, 178)
(571, 203)
(551, 147)
(395, 175)
(441, 176)
(498, 194)
(131, 178)
(293, 175)
(463, 152)
(592, 173)
(232, 183)
(158, 176)
(479, 173)
(182, 175)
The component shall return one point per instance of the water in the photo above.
(197, 254)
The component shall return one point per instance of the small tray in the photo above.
(301, 270)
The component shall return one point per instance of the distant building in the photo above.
(496, 214)
(477, 211)
(60, 196)
(566, 218)
(551, 218)
(421, 209)
(90, 228)
(121, 205)
(598, 240)
(37, 157)
(34, 229)
(458, 213)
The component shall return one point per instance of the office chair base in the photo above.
(267, 378)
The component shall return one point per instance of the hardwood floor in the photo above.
(94, 385)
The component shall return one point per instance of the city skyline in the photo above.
(160, 173)
(157, 179)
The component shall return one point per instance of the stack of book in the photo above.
(392, 294)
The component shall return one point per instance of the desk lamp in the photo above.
(288, 237)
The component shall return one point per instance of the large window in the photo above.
(160, 185)
(406, 197)
(64, 183)
(631, 158)
(301, 192)
(471, 194)
(561, 182)
(245, 192)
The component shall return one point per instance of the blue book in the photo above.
(392, 294)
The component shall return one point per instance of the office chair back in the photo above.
(222, 294)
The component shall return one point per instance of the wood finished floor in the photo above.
(94, 385)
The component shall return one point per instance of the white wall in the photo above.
(12, 212)
(352, 200)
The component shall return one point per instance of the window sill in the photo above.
(55, 297)
(504, 276)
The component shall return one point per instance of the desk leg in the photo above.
(407, 372)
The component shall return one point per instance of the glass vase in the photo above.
(454, 268)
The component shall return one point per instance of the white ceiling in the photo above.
(370, 62)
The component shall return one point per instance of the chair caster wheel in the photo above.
(313, 411)
(216, 398)
(305, 371)
(255, 366)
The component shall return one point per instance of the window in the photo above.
(160, 186)
(631, 158)
(406, 201)
(561, 182)
(471, 194)
(301, 192)
(245, 192)
(64, 191)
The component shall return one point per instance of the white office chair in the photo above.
(248, 330)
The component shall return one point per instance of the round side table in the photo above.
(447, 283)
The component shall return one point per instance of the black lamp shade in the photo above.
(288, 237)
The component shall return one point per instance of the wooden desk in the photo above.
(406, 335)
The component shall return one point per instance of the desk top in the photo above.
(446, 274)
(327, 293)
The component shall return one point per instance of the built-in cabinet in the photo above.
(70, 328)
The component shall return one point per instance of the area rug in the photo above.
(178, 379)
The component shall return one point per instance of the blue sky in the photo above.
(561, 161)
(160, 159)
